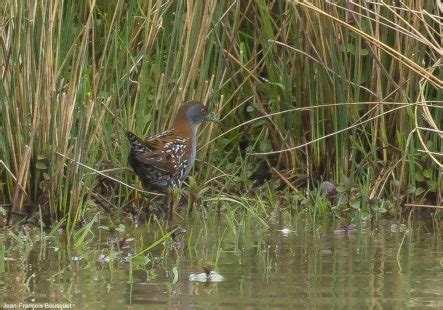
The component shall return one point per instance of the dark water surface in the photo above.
(290, 263)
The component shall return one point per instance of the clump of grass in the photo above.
(308, 91)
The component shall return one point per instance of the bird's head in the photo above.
(196, 113)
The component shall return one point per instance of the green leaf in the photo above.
(427, 173)
(192, 181)
(419, 177)
(250, 109)
(355, 203)
(411, 189)
(282, 87)
(242, 52)
(365, 215)
(82, 233)
(350, 48)
(140, 260)
(432, 186)
(341, 189)
(265, 145)
(381, 210)
(175, 273)
(121, 228)
(259, 123)
(41, 165)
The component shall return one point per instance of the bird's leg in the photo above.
(173, 200)
(169, 203)
(137, 200)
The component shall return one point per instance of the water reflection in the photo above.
(291, 263)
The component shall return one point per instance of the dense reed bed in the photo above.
(308, 91)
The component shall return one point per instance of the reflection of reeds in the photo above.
(314, 90)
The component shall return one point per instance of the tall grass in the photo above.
(354, 90)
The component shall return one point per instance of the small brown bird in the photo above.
(163, 161)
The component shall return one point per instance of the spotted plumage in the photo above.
(164, 160)
(160, 161)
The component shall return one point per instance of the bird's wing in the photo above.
(164, 151)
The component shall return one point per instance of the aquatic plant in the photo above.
(308, 91)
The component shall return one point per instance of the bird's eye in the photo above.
(203, 111)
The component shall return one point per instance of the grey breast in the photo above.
(191, 159)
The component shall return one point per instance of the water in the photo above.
(292, 263)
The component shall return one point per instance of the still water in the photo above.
(284, 262)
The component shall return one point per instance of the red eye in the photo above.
(203, 111)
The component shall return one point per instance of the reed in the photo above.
(307, 90)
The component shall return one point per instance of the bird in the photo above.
(163, 161)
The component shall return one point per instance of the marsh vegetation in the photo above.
(307, 92)
(330, 111)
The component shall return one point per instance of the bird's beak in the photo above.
(212, 118)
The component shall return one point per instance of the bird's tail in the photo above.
(136, 142)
